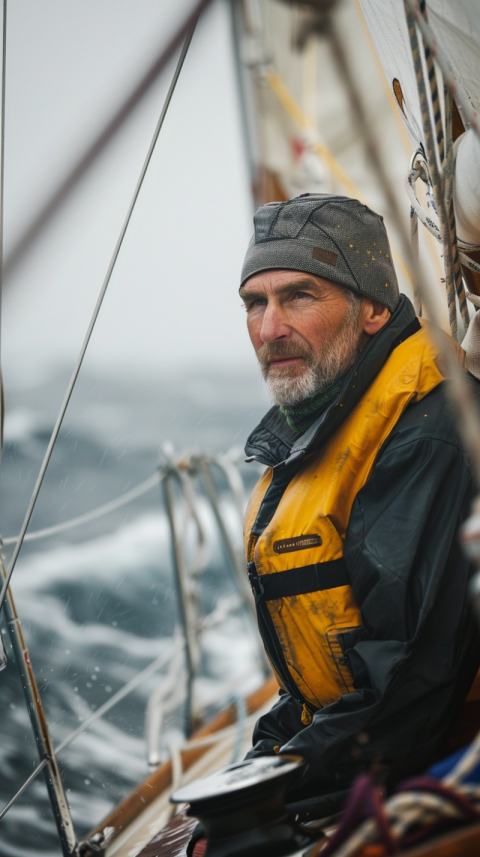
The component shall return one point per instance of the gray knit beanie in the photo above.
(333, 237)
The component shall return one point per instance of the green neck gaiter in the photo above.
(300, 417)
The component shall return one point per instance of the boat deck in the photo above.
(146, 817)
(172, 840)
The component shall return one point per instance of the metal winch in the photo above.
(243, 812)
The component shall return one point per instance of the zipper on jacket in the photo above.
(270, 637)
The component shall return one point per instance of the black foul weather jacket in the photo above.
(415, 652)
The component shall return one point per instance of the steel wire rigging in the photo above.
(59, 804)
(93, 320)
(182, 469)
(94, 514)
(223, 608)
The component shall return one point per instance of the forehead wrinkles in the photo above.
(260, 288)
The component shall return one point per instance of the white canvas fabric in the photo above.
(456, 26)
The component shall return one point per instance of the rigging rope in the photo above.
(469, 114)
(95, 315)
(434, 93)
(239, 701)
(296, 113)
(453, 273)
(94, 514)
(56, 794)
(222, 461)
(299, 118)
(459, 390)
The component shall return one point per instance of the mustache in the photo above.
(273, 350)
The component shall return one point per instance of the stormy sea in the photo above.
(98, 603)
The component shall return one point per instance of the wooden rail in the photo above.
(161, 779)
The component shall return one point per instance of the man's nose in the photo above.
(274, 325)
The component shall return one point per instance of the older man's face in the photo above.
(305, 330)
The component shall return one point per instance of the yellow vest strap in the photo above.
(299, 581)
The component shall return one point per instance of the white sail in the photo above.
(456, 26)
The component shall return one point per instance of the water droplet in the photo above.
(114, 624)
(76, 689)
(94, 677)
(97, 669)
(89, 684)
(87, 782)
(67, 651)
(108, 688)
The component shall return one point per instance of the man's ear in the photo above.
(374, 316)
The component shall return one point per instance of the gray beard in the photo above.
(321, 370)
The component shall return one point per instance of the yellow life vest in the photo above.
(296, 565)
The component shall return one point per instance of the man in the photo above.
(351, 533)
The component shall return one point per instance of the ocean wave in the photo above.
(67, 596)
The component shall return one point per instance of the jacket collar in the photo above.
(273, 442)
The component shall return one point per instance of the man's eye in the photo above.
(255, 303)
(300, 295)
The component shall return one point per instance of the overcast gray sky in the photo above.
(173, 297)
